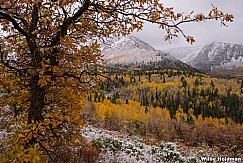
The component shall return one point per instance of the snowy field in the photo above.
(119, 148)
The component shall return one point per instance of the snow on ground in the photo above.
(120, 148)
(117, 147)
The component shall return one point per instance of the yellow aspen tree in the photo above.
(50, 50)
(199, 121)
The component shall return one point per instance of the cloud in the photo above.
(203, 32)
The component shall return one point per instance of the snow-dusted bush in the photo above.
(117, 147)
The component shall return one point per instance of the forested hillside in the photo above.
(172, 105)
(173, 89)
(54, 92)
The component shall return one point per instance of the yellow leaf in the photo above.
(20, 135)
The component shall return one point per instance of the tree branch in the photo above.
(34, 19)
(22, 20)
(7, 63)
(14, 22)
(67, 22)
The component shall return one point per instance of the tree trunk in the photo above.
(37, 93)
(37, 104)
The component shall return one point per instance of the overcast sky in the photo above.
(203, 32)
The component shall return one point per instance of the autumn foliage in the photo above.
(50, 57)
(173, 105)
(157, 123)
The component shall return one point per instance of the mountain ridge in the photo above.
(212, 57)
(133, 51)
(215, 56)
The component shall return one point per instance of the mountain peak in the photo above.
(211, 57)
(139, 43)
(223, 44)
(133, 51)
(129, 42)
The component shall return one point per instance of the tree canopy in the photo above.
(50, 56)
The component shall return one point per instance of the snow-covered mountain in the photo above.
(211, 57)
(131, 50)
(185, 54)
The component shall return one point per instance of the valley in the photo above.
(154, 96)
(185, 107)
(78, 86)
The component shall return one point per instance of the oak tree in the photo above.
(50, 56)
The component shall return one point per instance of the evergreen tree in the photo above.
(212, 84)
(196, 83)
(156, 94)
(152, 99)
(241, 86)
(95, 96)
